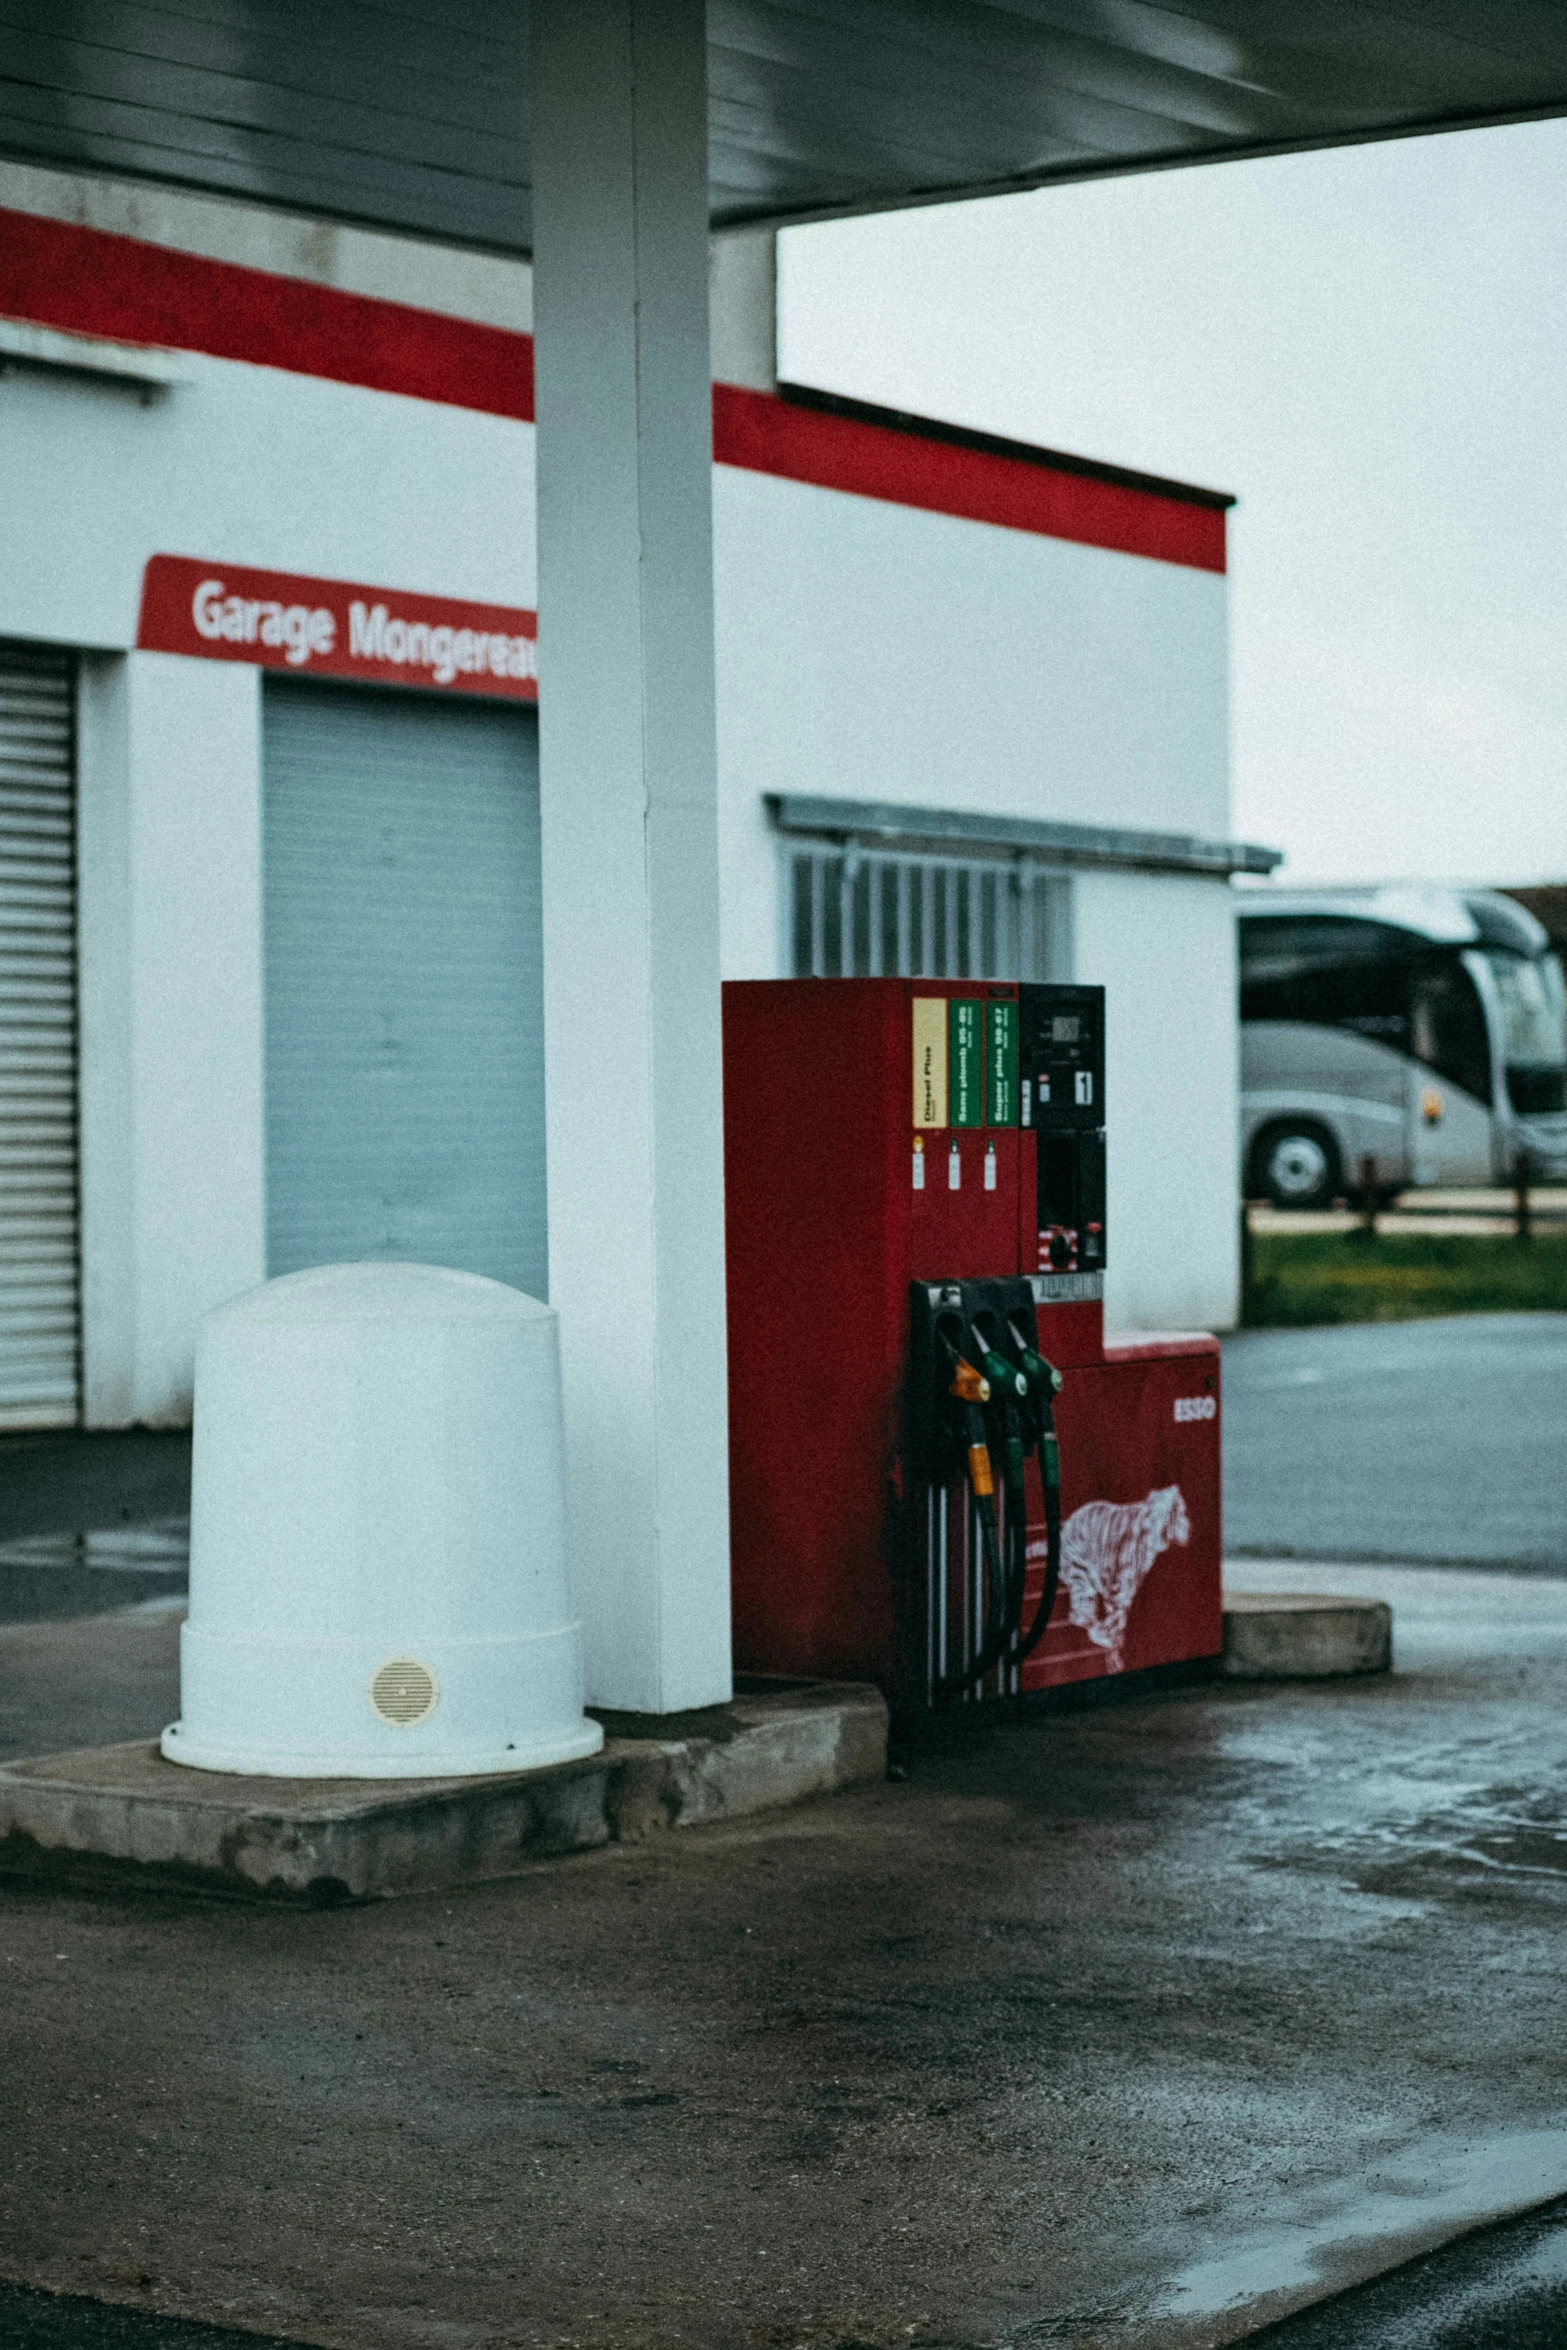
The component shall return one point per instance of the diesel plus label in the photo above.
(930, 1060)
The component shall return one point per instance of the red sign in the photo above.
(333, 628)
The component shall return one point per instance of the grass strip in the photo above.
(1297, 1279)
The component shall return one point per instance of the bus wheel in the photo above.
(1295, 1164)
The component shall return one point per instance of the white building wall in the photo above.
(250, 465)
(1163, 948)
(864, 650)
(171, 1019)
(743, 288)
(880, 652)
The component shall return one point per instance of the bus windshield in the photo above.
(1534, 1028)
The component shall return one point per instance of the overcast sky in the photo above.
(1370, 348)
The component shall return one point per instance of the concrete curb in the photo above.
(1304, 1636)
(123, 1815)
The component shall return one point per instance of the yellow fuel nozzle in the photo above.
(979, 1475)
(969, 1385)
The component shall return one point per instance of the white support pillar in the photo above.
(630, 822)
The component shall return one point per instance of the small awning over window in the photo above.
(879, 823)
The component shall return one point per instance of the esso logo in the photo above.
(1196, 1407)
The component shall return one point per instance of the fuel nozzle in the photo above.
(1006, 1378)
(1045, 1382)
(970, 1390)
(1043, 1376)
(1009, 1390)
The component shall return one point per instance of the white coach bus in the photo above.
(1424, 1029)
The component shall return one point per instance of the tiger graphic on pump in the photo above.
(1107, 1548)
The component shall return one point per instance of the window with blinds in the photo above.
(39, 1273)
(867, 913)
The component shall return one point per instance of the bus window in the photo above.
(1534, 1029)
(1447, 1026)
(1329, 969)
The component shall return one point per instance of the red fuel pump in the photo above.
(942, 1476)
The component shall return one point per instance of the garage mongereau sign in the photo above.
(334, 628)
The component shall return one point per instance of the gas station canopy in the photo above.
(412, 115)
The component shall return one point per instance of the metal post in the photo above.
(1523, 1210)
(1248, 1263)
(1368, 1195)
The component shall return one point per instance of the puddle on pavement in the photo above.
(1529, 1849)
(1497, 1834)
(46, 1578)
(1445, 1815)
(1431, 2191)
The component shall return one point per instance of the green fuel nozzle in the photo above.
(1005, 1378)
(1009, 1389)
(1044, 1375)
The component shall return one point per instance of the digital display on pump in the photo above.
(1062, 1065)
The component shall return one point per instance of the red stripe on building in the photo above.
(88, 282)
(753, 430)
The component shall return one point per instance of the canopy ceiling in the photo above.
(412, 114)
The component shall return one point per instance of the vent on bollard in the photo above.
(404, 1691)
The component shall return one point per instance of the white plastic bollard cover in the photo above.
(378, 1582)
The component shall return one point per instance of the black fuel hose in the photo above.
(1050, 1479)
(1006, 1569)
(997, 1633)
(1015, 1646)
(1005, 1644)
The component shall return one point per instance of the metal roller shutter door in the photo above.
(404, 982)
(40, 1280)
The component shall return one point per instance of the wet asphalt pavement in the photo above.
(1124, 2030)
(1121, 2030)
(91, 1522)
(71, 1479)
(1502, 2288)
(1442, 1440)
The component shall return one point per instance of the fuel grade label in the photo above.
(965, 1063)
(1001, 1105)
(930, 1060)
